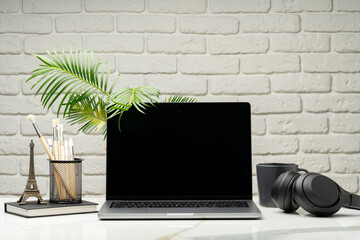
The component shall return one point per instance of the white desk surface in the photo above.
(274, 224)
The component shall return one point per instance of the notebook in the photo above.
(180, 161)
(34, 209)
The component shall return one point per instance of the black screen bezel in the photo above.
(246, 112)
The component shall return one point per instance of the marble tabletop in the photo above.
(274, 224)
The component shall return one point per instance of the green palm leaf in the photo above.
(91, 113)
(69, 77)
(82, 86)
(180, 98)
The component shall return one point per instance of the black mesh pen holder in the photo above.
(65, 181)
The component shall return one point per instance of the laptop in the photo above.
(180, 161)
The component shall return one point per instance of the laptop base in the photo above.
(107, 213)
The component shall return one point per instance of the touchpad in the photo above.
(174, 210)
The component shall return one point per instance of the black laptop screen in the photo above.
(180, 151)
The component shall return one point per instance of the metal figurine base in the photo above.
(31, 189)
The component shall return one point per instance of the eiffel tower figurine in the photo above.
(31, 189)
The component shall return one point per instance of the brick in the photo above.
(331, 63)
(9, 85)
(265, 104)
(126, 80)
(215, 98)
(318, 163)
(330, 144)
(209, 65)
(255, 187)
(347, 6)
(346, 83)
(9, 6)
(297, 124)
(39, 44)
(20, 105)
(209, 25)
(12, 64)
(84, 23)
(134, 6)
(94, 184)
(345, 123)
(8, 125)
(10, 44)
(147, 64)
(237, 6)
(173, 84)
(51, 6)
(94, 165)
(111, 43)
(25, 24)
(301, 83)
(348, 163)
(274, 145)
(41, 164)
(236, 45)
(44, 123)
(240, 85)
(270, 64)
(26, 86)
(16, 185)
(7, 146)
(349, 182)
(9, 165)
(258, 125)
(346, 43)
(177, 6)
(270, 23)
(334, 103)
(110, 61)
(331, 22)
(176, 44)
(302, 5)
(89, 144)
(146, 23)
(300, 43)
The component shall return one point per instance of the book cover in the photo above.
(33, 209)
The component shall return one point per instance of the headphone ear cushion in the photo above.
(317, 194)
(282, 193)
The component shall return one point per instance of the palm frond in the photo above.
(81, 84)
(90, 112)
(139, 97)
(180, 98)
(68, 77)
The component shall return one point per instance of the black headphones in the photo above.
(317, 194)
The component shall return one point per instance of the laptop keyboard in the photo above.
(179, 204)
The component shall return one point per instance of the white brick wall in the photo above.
(297, 62)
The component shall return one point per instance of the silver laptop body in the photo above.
(180, 161)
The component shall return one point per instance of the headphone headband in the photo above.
(354, 202)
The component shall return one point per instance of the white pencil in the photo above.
(61, 138)
(71, 149)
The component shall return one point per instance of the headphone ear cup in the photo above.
(282, 191)
(318, 194)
